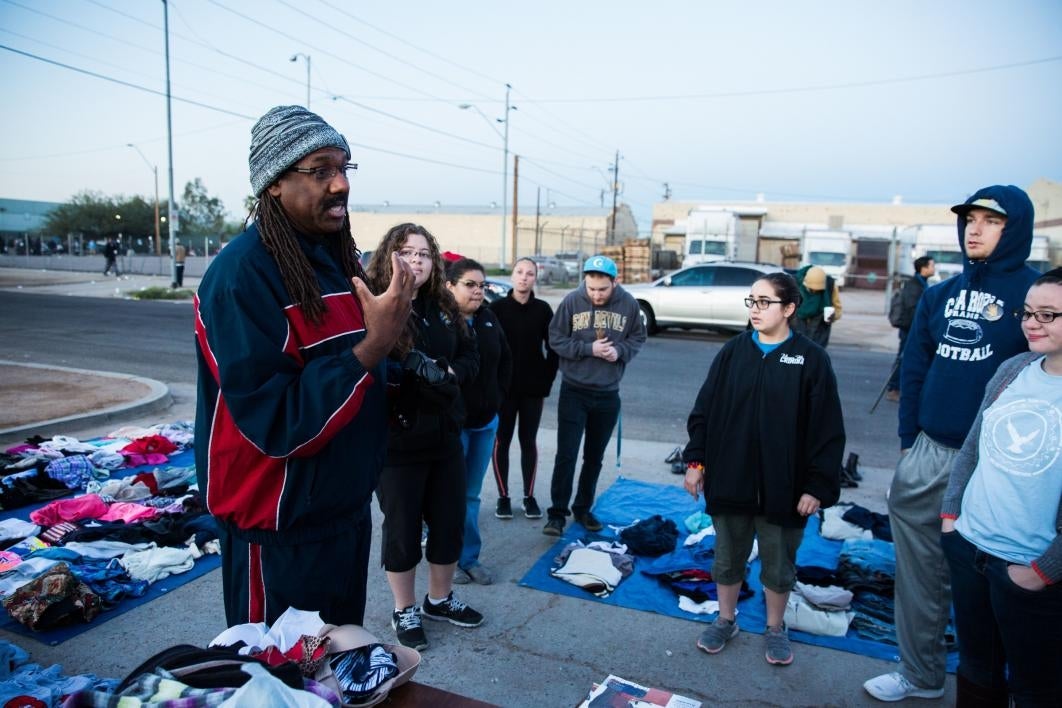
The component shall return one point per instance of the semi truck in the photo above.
(938, 241)
(711, 235)
(830, 250)
(1039, 255)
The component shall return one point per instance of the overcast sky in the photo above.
(811, 101)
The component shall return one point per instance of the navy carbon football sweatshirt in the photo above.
(964, 329)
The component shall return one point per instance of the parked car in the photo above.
(496, 290)
(705, 296)
(550, 270)
(573, 262)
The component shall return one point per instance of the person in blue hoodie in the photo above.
(962, 331)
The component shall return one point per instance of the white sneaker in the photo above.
(895, 687)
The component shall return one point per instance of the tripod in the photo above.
(881, 393)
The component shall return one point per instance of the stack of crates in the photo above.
(633, 260)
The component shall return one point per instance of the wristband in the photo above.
(698, 466)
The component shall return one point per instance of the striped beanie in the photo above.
(282, 137)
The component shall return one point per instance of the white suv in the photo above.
(704, 296)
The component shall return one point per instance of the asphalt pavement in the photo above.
(535, 649)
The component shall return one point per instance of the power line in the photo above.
(414, 123)
(387, 54)
(123, 83)
(800, 89)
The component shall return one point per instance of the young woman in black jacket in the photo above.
(525, 320)
(423, 479)
(482, 397)
(766, 441)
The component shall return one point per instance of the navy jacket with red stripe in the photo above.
(290, 427)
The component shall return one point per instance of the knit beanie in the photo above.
(282, 137)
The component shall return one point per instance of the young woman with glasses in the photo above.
(1002, 522)
(423, 479)
(483, 396)
(766, 441)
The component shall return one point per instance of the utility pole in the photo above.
(172, 224)
(295, 57)
(516, 182)
(611, 240)
(505, 182)
(538, 213)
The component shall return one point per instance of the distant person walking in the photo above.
(179, 255)
(902, 312)
(110, 252)
(525, 320)
(596, 332)
(820, 306)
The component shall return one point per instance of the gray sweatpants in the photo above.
(923, 584)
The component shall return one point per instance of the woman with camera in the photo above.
(423, 478)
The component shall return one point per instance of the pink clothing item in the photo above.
(136, 459)
(87, 506)
(148, 445)
(129, 512)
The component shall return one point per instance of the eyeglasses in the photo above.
(326, 173)
(1041, 316)
(408, 254)
(760, 303)
(473, 284)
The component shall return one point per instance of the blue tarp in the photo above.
(60, 634)
(628, 500)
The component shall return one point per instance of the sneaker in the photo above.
(531, 509)
(713, 639)
(554, 527)
(453, 611)
(408, 629)
(504, 510)
(778, 650)
(475, 574)
(895, 687)
(589, 521)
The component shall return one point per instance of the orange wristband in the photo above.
(699, 466)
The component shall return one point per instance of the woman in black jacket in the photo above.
(482, 397)
(766, 441)
(525, 320)
(423, 479)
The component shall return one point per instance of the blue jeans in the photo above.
(478, 445)
(1008, 636)
(580, 410)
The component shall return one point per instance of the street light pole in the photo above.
(502, 263)
(155, 170)
(294, 57)
(172, 223)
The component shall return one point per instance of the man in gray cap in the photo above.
(291, 417)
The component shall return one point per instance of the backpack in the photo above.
(896, 313)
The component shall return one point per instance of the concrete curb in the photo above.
(159, 399)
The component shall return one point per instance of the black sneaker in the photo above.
(504, 510)
(589, 521)
(554, 527)
(408, 629)
(531, 509)
(453, 611)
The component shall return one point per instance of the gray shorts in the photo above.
(777, 551)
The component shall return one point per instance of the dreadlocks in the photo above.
(278, 236)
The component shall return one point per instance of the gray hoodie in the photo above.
(577, 323)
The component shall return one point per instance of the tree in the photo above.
(201, 214)
(87, 212)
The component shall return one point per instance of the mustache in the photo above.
(335, 201)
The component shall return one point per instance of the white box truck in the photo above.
(711, 235)
(1039, 256)
(938, 241)
(830, 250)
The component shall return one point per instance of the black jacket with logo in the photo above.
(768, 429)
